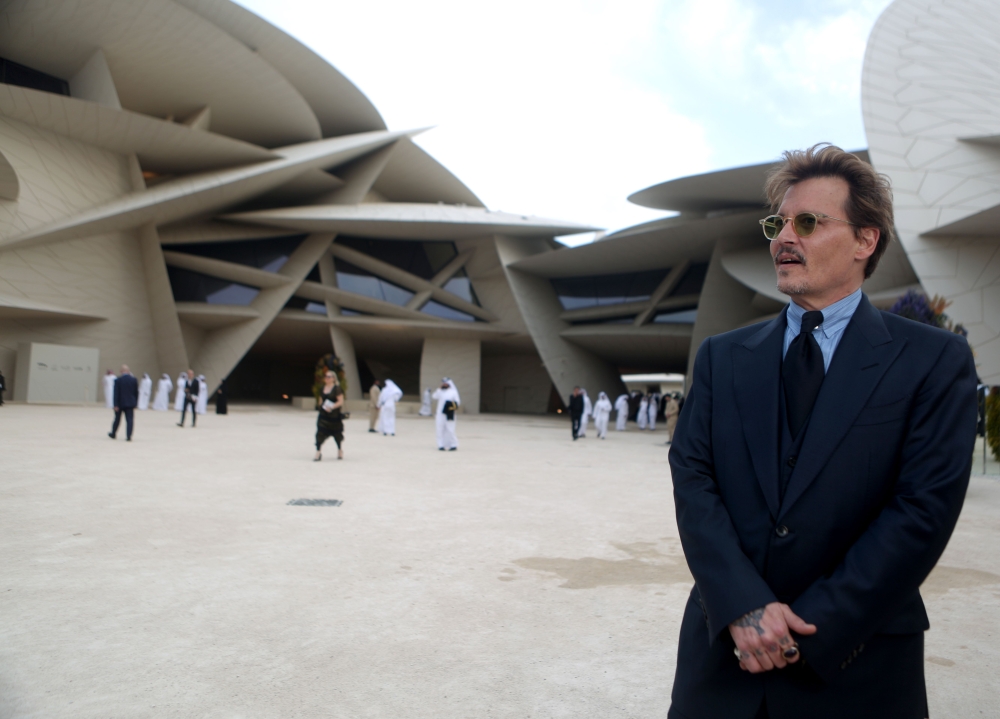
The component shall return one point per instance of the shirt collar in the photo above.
(835, 317)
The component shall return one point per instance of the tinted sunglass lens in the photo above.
(805, 224)
(772, 226)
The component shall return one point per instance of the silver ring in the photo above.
(791, 652)
(740, 655)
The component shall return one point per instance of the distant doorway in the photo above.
(517, 400)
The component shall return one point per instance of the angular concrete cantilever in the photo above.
(232, 271)
(161, 146)
(209, 191)
(409, 221)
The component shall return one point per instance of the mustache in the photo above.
(789, 252)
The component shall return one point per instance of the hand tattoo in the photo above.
(752, 619)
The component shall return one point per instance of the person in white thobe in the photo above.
(182, 380)
(145, 390)
(425, 404)
(161, 403)
(654, 409)
(621, 407)
(391, 394)
(643, 416)
(588, 410)
(448, 402)
(109, 389)
(201, 406)
(602, 413)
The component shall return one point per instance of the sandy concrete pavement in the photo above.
(525, 575)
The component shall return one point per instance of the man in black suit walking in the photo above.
(576, 411)
(819, 469)
(126, 398)
(191, 390)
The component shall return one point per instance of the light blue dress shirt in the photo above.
(828, 334)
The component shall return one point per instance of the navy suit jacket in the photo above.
(872, 501)
(126, 392)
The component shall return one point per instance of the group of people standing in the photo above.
(653, 406)
(382, 399)
(642, 408)
(124, 393)
(383, 396)
(161, 401)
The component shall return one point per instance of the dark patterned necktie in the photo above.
(802, 373)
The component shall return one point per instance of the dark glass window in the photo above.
(191, 286)
(361, 282)
(301, 303)
(269, 254)
(423, 259)
(420, 258)
(577, 292)
(443, 311)
(630, 319)
(461, 286)
(13, 73)
(677, 317)
(692, 280)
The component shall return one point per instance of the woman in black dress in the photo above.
(330, 422)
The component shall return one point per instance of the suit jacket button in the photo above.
(781, 530)
(791, 461)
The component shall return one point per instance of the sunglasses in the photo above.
(803, 224)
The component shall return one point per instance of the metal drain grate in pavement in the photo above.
(316, 502)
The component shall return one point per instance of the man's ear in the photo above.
(867, 242)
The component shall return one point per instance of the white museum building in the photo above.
(184, 185)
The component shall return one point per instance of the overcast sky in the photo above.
(562, 108)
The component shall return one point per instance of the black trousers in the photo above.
(577, 418)
(194, 415)
(127, 411)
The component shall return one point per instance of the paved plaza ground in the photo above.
(525, 575)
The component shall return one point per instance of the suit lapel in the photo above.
(864, 354)
(756, 373)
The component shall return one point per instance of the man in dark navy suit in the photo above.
(126, 398)
(576, 412)
(819, 469)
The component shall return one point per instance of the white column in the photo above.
(343, 344)
(458, 359)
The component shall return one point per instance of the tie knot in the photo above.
(810, 321)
